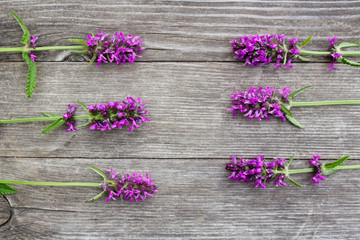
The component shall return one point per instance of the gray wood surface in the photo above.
(187, 74)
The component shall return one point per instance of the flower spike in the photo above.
(115, 186)
(261, 103)
(264, 49)
(129, 112)
(103, 48)
(260, 172)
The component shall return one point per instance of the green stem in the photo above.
(305, 170)
(296, 104)
(19, 120)
(14, 49)
(57, 184)
(314, 53)
(23, 49)
(349, 53)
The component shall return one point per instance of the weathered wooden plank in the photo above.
(5, 211)
(187, 104)
(195, 201)
(178, 30)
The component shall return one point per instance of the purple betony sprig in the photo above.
(264, 49)
(103, 48)
(260, 172)
(102, 117)
(261, 103)
(135, 187)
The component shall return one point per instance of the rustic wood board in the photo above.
(187, 74)
(195, 201)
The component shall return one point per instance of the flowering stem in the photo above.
(58, 184)
(17, 120)
(305, 170)
(314, 53)
(349, 53)
(295, 104)
(23, 49)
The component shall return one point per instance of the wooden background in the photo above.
(186, 74)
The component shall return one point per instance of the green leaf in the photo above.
(305, 59)
(337, 162)
(305, 42)
(81, 52)
(295, 183)
(287, 111)
(31, 76)
(97, 197)
(83, 125)
(83, 105)
(92, 59)
(98, 171)
(293, 121)
(82, 42)
(290, 160)
(348, 62)
(50, 114)
(26, 35)
(53, 125)
(293, 94)
(6, 189)
(328, 171)
(348, 45)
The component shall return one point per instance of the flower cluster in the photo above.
(317, 166)
(118, 114)
(32, 43)
(127, 187)
(334, 55)
(69, 118)
(264, 49)
(256, 170)
(118, 48)
(260, 103)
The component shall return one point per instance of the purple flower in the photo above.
(118, 114)
(256, 170)
(317, 167)
(293, 41)
(69, 118)
(129, 187)
(334, 55)
(32, 44)
(315, 161)
(260, 103)
(72, 127)
(279, 181)
(288, 64)
(263, 49)
(32, 41)
(32, 56)
(332, 41)
(117, 48)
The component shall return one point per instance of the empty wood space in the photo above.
(186, 75)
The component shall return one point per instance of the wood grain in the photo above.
(186, 75)
(194, 197)
(187, 105)
(5, 211)
(179, 30)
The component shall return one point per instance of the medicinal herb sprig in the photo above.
(114, 186)
(264, 49)
(260, 172)
(262, 103)
(102, 48)
(100, 116)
